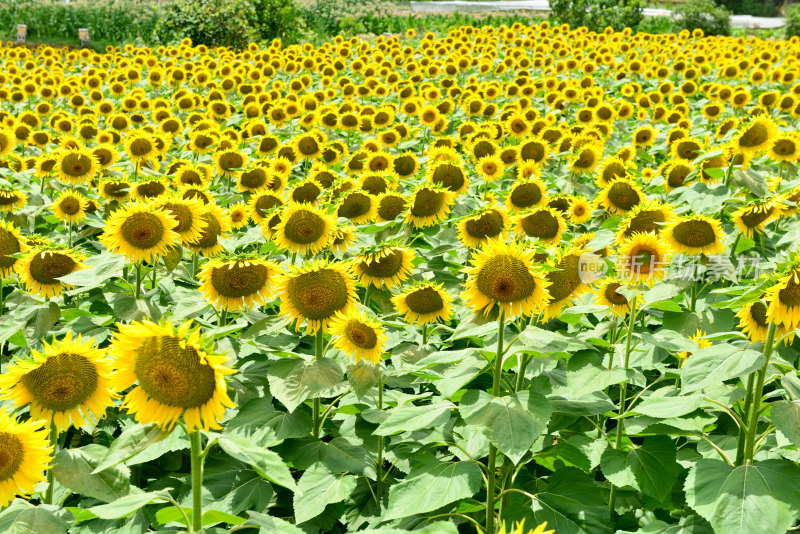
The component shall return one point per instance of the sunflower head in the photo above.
(25, 453)
(216, 226)
(304, 229)
(389, 205)
(383, 265)
(423, 303)
(505, 275)
(174, 373)
(648, 216)
(40, 270)
(358, 336)
(641, 259)
(10, 243)
(488, 223)
(752, 218)
(358, 207)
(542, 223)
(140, 231)
(428, 206)
(76, 166)
(526, 194)
(696, 234)
(755, 136)
(607, 293)
(237, 283)
(11, 199)
(315, 292)
(620, 196)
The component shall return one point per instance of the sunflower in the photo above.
(675, 173)
(40, 270)
(428, 206)
(254, 179)
(25, 453)
(140, 231)
(642, 258)
(304, 229)
(261, 203)
(359, 207)
(216, 226)
(783, 301)
(580, 210)
(238, 215)
(613, 168)
(423, 303)
(785, 147)
(384, 265)
(755, 136)
(117, 190)
(449, 176)
(699, 337)
(173, 375)
(607, 294)
(752, 218)
(490, 167)
(696, 234)
(307, 191)
(504, 274)
(358, 336)
(565, 282)
(753, 322)
(230, 162)
(140, 146)
(70, 206)
(10, 243)
(619, 196)
(644, 136)
(389, 205)
(188, 214)
(11, 199)
(526, 194)
(542, 223)
(76, 166)
(67, 383)
(649, 216)
(488, 223)
(343, 238)
(316, 292)
(7, 142)
(236, 284)
(586, 158)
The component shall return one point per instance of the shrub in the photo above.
(792, 21)
(209, 22)
(598, 14)
(703, 15)
(278, 19)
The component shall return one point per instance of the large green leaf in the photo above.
(131, 442)
(292, 381)
(764, 497)
(432, 484)
(124, 506)
(651, 468)
(786, 417)
(28, 519)
(266, 463)
(715, 364)
(409, 417)
(573, 503)
(511, 423)
(74, 469)
(319, 488)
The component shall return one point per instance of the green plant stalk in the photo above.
(318, 344)
(138, 280)
(2, 300)
(623, 390)
(755, 409)
(69, 241)
(48, 495)
(425, 334)
(197, 482)
(490, 471)
(155, 272)
(195, 261)
(379, 467)
(748, 401)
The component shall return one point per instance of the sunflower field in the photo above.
(515, 279)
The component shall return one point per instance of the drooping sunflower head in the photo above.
(174, 375)
(216, 227)
(76, 166)
(358, 207)
(620, 196)
(10, 243)
(783, 300)
(488, 223)
(315, 292)
(696, 234)
(25, 453)
(383, 265)
(542, 223)
(649, 216)
(505, 275)
(755, 136)
(236, 284)
(304, 229)
(526, 194)
(140, 231)
(11, 199)
(754, 323)
(40, 270)
(358, 336)
(607, 294)
(752, 218)
(565, 281)
(423, 303)
(70, 206)
(428, 206)
(67, 383)
(642, 259)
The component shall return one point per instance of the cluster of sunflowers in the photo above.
(325, 185)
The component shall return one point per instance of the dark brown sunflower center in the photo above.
(254, 178)
(488, 224)
(190, 177)
(360, 335)
(378, 163)
(151, 189)
(239, 280)
(784, 147)
(70, 205)
(9, 244)
(231, 160)
(613, 171)
(566, 280)
(306, 193)
(532, 151)
(8, 198)
(141, 147)
(448, 176)
(613, 296)
(308, 146)
(427, 203)
(318, 294)
(384, 267)
(142, 230)
(116, 189)
(758, 311)
(623, 196)
(645, 221)
(182, 214)
(526, 195)
(47, 267)
(210, 235)
(790, 295)
(405, 165)
(643, 260)
(77, 165)
(304, 227)
(755, 217)
(355, 205)
(391, 206)
(424, 301)
(585, 159)
(541, 225)
(694, 234)
(677, 176)
(756, 135)
(505, 278)
(12, 453)
(264, 203)
(173, 375)
(63, 382)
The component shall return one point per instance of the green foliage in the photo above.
(280, 19)
(792, 28)
(757, 8)
(598, 14)
(208, 22)
(703, 15)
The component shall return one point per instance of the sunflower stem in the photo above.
(367, 292)
(425, 334)
(138, 280)
(48, 496)
(69, 242)
(379, 466)
(2, 300)
(755, 408)
(155, 272)
(490, 471)
(197, 482)
(195, 261)
(748, 401)
(318, 353)
(623, 390)
(223, 317)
